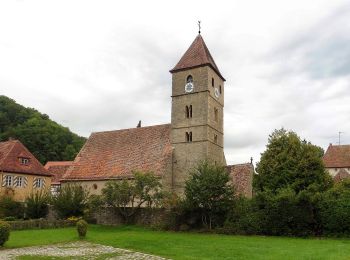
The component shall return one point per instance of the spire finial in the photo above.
(199, 27)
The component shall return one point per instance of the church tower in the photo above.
(197, 112)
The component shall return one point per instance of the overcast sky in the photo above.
(104, 65)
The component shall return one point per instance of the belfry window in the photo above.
(189, 111)
(188, 137)
(216, 113)
(212, 82)
(189, 79)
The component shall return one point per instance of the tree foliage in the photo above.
(127, 196)
(46, 139)
(290, 162)
(208, 191)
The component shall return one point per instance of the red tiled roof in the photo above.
(197, 55)
(341, 175)
(57, 169)
(115, 154)
(242, 178)
(10, 154)
(337, 156)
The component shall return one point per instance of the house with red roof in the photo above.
(337, 161)
(57, 169)
(20, 172)
(171, 151)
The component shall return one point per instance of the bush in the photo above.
(82, 227)
(4, 232)
(70, 201)
(37, 205)
(10, 208)
(243, 218)
(334, 210)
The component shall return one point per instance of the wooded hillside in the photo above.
(46, 139)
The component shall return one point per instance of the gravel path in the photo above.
(76, 250)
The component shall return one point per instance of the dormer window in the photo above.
(24, 161)
(189, 79)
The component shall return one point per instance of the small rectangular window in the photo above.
(8, 180)
(19, 182)
(212, 82)
(38, 183)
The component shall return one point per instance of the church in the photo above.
(170, 151)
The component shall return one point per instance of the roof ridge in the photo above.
(132, 128)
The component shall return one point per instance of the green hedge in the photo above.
(40, 224)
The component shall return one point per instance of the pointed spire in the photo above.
(197, 55)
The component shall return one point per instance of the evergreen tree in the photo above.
(290, 162)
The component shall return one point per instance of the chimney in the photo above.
(139, 124)
(251, 160)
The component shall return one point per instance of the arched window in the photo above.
(188, 137)
(189, 79)
(189, 111)
(212, 82)
(215, 138)
(216, 114)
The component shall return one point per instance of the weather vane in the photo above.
(199, 27)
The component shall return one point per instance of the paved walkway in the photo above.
(76, 250)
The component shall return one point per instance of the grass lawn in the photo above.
(190, 245)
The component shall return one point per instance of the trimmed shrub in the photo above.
(4, 232)
(82, 227)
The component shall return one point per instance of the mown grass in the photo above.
(191, 245)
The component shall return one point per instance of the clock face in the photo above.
(216, 93)
(189, 87)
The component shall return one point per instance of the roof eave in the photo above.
(198, 66)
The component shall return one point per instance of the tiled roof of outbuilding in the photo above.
(57, 169)
(337, 156)
(197, 55)
(10, 154)
(242, 178)
(115, 154)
